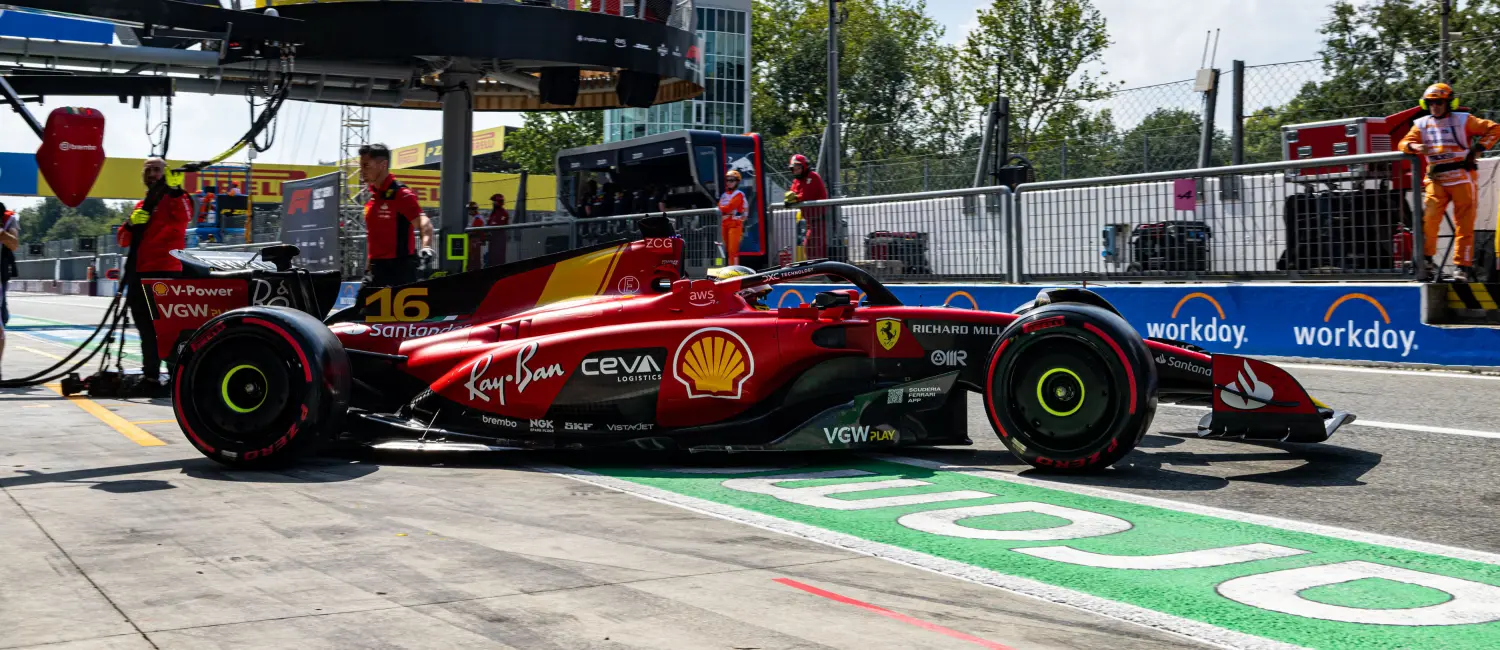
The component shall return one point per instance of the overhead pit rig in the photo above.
(407, 54)
(392, 54)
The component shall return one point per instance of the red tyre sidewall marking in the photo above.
(1129, 374)
(989, 397)
(307, 370)
(182, 419)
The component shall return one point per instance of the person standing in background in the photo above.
(10, 240)
(807, 185)
(391, 215)
(1442, 138)
(154, 233)
(732, 213)
(476, 239)
(498, 217)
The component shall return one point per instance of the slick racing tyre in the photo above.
(1070, 387)
(260, 387)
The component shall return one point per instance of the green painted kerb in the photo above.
(1190, 593)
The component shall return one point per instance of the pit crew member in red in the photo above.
(156, 233)
(807, 185)
(499, 216)
(390, 215)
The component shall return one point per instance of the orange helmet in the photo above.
(732, 174)
(1439, 91)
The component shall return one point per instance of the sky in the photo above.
(1155, 41)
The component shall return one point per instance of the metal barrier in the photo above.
(1343, 219)
(959, 234)
(1340, 219)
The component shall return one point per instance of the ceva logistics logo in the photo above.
(1378, 336)
(1214, 329)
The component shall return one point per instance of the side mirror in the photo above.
(829, 299)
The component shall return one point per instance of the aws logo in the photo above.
(1188, 327)
(1345, 334)
(713, 362)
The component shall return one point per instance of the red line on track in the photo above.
(934, 627)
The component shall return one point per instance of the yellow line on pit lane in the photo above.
(136, 434)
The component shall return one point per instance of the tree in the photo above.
(534, 146)
(1168, 138)
(1378, 56)
(52, 220)
(76, 225)
(1034, 52)
(897, 99)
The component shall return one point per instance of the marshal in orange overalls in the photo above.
(732, 213)
(1442, 139)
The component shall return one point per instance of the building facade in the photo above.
(723, 28)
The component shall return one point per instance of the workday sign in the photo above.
(1202, 328)
(1363, 324)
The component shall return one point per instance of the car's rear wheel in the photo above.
(260, 387)
(1070, 387)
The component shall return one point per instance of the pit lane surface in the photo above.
(119, 545)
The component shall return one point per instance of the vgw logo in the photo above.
(1212, 329)
(1378, 336)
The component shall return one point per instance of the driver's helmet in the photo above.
(753, 295)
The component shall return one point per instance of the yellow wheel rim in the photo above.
(1043, 401)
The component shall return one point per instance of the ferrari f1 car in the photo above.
(609, 345)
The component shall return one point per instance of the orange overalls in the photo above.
(1447, 141)
(732, 224)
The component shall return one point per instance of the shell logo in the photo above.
(159, 288)
(713, 362)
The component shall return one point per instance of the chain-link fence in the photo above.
(1160, 127)
(1246, 222)
(1299, 92)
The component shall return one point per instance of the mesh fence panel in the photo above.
(1216, 227)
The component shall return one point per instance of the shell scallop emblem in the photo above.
(713, 362)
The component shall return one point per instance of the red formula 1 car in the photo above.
(609, 346)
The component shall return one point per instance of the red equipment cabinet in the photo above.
(1348, 137)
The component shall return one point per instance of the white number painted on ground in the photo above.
(1185, 560)
(1279, 591)
(1081, 523)
(817, 497)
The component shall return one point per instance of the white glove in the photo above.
(426, 254)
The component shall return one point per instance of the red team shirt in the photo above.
(166, 231)
(390, 219)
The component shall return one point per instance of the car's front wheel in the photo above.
(1070, 387)
(259, 387)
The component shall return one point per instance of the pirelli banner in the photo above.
(310, 220)
(121, 179)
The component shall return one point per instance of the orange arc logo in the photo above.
(781, 302)
(159, 289)
(1199, 294)
(1357, 296)
(973, 304)
(713, 362)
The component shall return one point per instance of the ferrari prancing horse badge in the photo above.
(888, 331)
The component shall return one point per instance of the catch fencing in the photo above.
(1342, 218)
(1230, 223)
